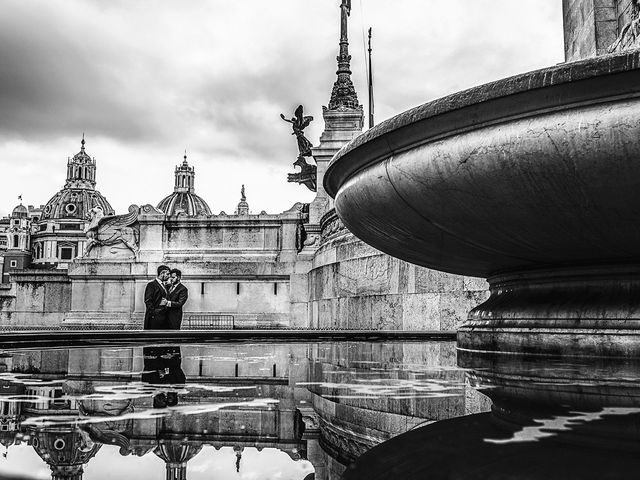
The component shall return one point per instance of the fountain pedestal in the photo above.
(592, 310)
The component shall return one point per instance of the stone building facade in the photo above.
(15, 240)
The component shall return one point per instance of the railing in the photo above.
(209, 322)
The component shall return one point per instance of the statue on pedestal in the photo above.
(308, 173)
(299, 122)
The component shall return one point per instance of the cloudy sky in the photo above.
(146, 80)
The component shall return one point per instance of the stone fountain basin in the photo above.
(537, 169)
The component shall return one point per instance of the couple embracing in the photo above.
(164, 298)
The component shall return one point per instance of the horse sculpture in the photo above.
(116, 231)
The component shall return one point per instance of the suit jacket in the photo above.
(155, 317)
(178, 296)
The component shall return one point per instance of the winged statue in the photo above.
(114, 231)
(299, 122)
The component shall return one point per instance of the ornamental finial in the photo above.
(344, 94)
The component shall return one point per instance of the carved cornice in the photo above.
(331, 226)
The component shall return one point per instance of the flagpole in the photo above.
(370, 81)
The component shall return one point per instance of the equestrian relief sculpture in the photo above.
(115, 232)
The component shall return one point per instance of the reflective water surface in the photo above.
(259, 411)
(302, 411)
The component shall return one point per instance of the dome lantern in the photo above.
(183, 200)
(81, 170)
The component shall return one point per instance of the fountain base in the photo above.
(586, 310)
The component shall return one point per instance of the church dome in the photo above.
(75, 203)
(188, 203)
(184, 200)
(20, 212)
(79, 194)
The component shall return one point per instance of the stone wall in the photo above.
(37, 297)
(255, 293)
(7, 300)
(353, 285)
(592, 26)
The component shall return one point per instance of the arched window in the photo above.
(15, 241)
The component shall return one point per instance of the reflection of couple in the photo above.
(164, 298)
(163, 366)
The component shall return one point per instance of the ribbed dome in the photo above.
(75, 203)
(185, 202)
(184, 199)
(20, 212)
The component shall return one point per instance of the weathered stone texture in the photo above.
(364, 288)
(592, 26)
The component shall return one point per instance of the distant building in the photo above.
(183, 200)
(15, 233)
(59, 235)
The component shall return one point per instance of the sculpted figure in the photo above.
(95, 214)
(306, 176)
(116, 231)
(299, 122)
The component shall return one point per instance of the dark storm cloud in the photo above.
(87, 66)
(249, 107)
(147, 79)
(57, 77)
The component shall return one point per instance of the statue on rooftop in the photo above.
(299, 122)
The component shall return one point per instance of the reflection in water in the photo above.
(163, 366)
(293, 411)
(550, 418)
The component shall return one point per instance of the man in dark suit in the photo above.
(155, 299)
(177, 297)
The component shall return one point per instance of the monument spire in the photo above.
(344, 94)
